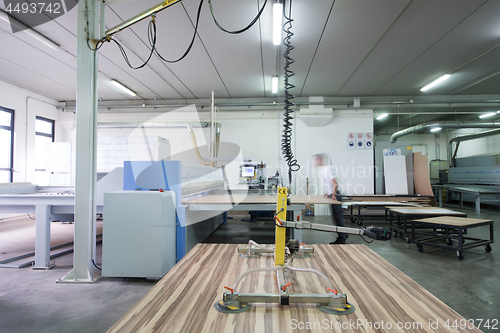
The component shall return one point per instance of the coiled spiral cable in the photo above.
(286, 141)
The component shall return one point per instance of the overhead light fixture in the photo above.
(487, 115)
(274, 85)
(436, 129)
(33, 33)
(277, 22)
(122, 87)
(438, 81)
(382, 116)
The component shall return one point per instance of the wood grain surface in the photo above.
(183, 300)
(455, 221)
(425, 211)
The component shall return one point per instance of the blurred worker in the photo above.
(330, 189)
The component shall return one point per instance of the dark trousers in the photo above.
(338, 217)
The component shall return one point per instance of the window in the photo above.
(6, 145)
(44, 129)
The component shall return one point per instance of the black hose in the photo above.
(286, 141)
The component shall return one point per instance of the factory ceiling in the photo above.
(382, 51)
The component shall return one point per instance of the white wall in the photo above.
(27, 105)
(354, 168)
(258, 135)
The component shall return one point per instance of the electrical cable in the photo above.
(286, 141)
(152, 41)
(30, 216)
(365, 239)
(192, 40)
(96, 265)
(236, 31)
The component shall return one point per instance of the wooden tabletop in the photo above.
(380, 203)
(425, 211)
(254, 199)
(183, 300)
(452, 220)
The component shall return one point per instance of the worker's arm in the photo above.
(335, 186)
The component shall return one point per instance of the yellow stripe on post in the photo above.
(279, 247)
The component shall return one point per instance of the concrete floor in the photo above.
(31, 301)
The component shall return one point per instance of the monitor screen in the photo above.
(247, 171)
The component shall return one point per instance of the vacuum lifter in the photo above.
(331, 302)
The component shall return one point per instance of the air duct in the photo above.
(444, 124)
(452, 155)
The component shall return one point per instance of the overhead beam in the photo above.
(139, 17)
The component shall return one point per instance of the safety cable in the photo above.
(236, 31)
(286, 141)
(152, 34)
(192, 40)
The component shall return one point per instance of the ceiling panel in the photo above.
(234, 55)
(25, 78)
(307, 28)
(353, 29)
(342, 48)
(480, 30)
(418, 28)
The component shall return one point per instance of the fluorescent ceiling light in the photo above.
(436, 129)
(33, 33)
(122, 87)
(486, 115)
(274, 84)
(438, 81)
(277, 22)
(382, 116)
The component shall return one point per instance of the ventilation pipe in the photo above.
(453, 154)
(196, 150)
(443, 125)
(438, 146)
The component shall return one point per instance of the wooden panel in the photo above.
(425, 211)
(421, 174)
(451, 220)
(182, 301)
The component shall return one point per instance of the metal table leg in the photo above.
(478, 203)
(42, 237)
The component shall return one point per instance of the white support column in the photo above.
(86, 139)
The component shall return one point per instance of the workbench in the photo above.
(183, 300)
(47, 207)
(454, 233)
(404, 214)
(371, 206)
(476, 190)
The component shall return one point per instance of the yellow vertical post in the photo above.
(279, 247)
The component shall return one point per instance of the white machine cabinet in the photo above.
(139, 234)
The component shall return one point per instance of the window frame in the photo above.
(51, 135)
(11, 129)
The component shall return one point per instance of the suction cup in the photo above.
(348, 309)
(222, 307)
